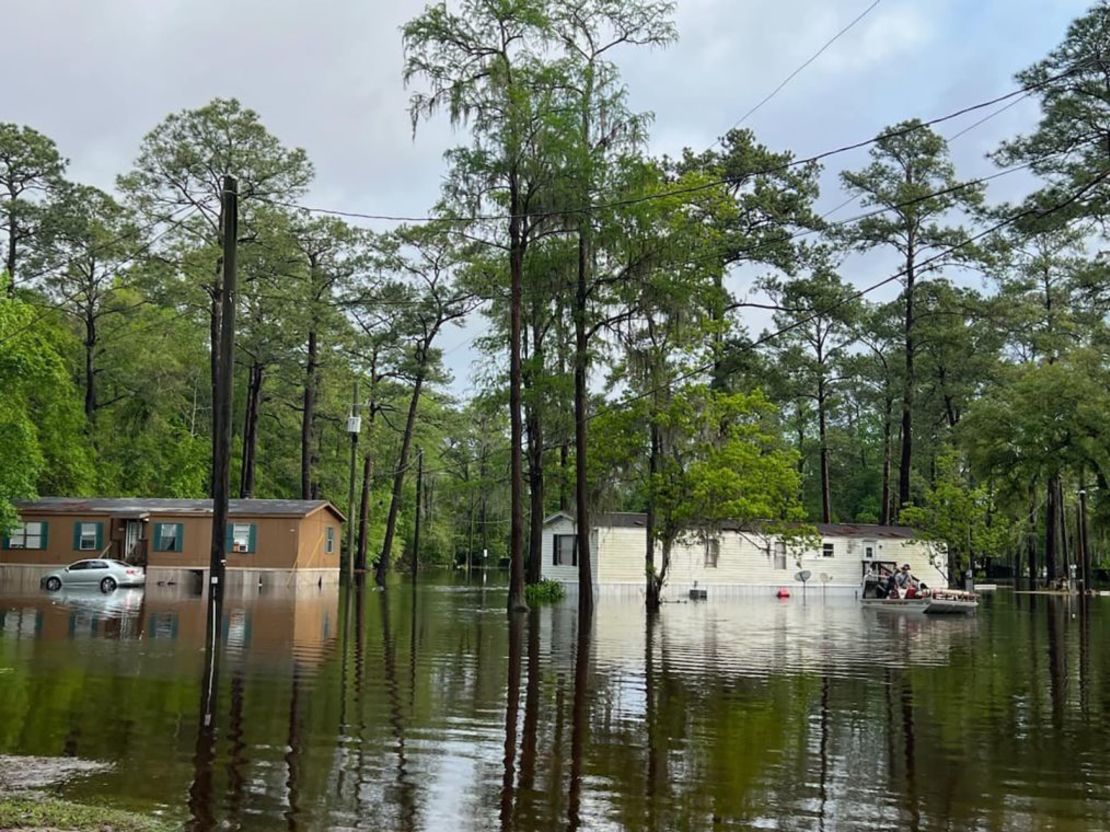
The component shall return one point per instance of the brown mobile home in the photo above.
(295, 540)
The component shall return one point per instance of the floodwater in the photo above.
(422, 709)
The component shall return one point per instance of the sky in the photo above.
(326, 76)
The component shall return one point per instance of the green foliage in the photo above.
(959, 516)
(545, 592)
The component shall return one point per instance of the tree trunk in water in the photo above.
(516, 427)
(534, 418)
(581, 487)
(90, 369)
(1031, 541)
(364, 513)
(822, 430)
(250, 430)
(906, 462)
(399, 476)
(307, 417)
(652, 595)
(884, 510)
(1051, 538)
(536, 487)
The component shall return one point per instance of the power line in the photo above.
(858, 294)
(801, 68)
(667, 194)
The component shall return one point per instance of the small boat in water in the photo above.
(879, 593)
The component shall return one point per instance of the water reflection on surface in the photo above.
(426, 706)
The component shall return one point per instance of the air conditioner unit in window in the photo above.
(239, 547)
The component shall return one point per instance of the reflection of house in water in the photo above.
(277, 623)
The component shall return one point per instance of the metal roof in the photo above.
(139, 506)
(864, 530)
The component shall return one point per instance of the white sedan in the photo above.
(105, 574)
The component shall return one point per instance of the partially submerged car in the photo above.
(98, 572)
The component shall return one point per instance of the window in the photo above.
(98, 564)
(87, 537)
(27, 536)
(566, 550)
(168, 537)
(712, 553)
(780, 554)
(869, 551)
(80, 566)
(329, 540)
(827, 550)
(241, 537)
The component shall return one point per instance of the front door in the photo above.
(131, 538)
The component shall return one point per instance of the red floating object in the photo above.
(783, 593)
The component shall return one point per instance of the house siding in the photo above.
(281, 542)
(564, 574)
(746, 562)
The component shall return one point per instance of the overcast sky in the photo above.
(326, 75)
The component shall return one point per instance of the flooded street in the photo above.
(424, 710)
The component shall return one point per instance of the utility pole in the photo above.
(354, 425)
(221, 441)
(419, 505)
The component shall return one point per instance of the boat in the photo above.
(925, 600)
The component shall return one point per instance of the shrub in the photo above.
(545, 590)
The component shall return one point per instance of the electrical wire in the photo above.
(704, 186)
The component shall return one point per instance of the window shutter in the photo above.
(77, 536)
(554, 550)
(252, 538)
(99, 537)
(45, 537)
(179, 538)
(4, 543)
(229, 538)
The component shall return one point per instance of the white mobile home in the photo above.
(735, 560)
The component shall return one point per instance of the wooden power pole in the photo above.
(221, 440)
(354, 425)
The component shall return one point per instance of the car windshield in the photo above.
(120, 563)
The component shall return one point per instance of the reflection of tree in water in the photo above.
(512, 710)
(580, 724)
(530, 740)
(293, 754)
(405, 787)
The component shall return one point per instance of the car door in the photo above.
(77, 574)
(98, 570)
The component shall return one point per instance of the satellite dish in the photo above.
(826, 577)
(803, 576)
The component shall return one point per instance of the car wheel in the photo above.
(107, 585)
(53, 584)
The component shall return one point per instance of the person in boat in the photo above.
(906, 583)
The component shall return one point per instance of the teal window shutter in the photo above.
(99, 537)
(45, 535)
(229, 538)
(4, 543)
(179, 538)
(253, 538)
(77, 536)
